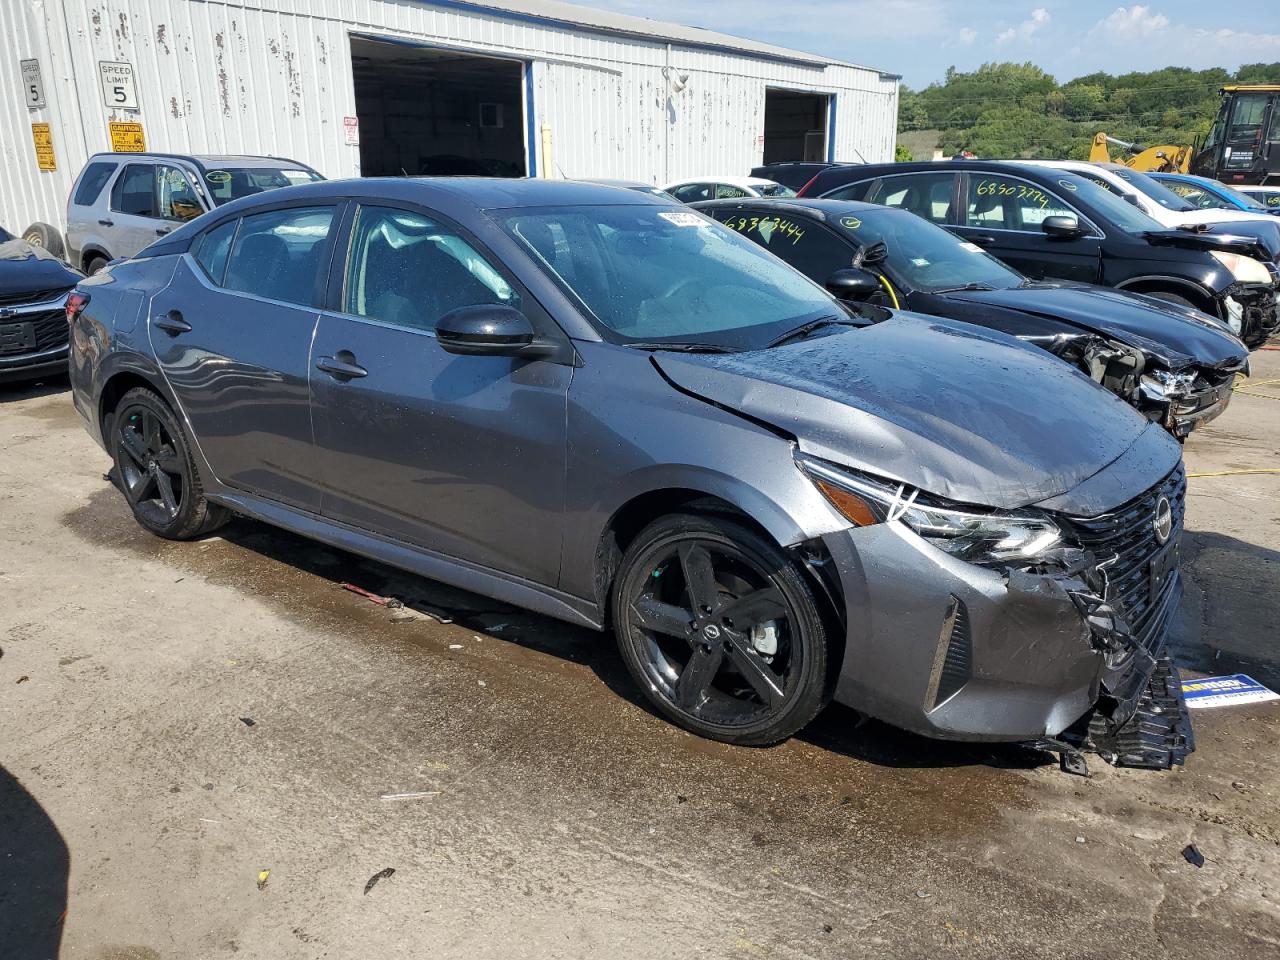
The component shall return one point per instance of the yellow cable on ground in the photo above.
(892, 296)
(1236, 473)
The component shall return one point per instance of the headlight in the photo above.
(1245, 269)
(1164, 385)
(979, 536)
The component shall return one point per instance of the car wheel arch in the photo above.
(1200, 297)
(90, 253)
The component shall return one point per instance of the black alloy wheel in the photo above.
(721, 630)
(155, 471)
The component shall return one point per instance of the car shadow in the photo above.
(34, 389)
(34, 867)
(838, 729)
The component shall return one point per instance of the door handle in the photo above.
(172, 323)
(342, 367)
(161, 231)
(107, 223)
(982, 239)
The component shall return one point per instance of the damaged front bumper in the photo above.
(1182, 401)
(949, 649)
(1252, 310)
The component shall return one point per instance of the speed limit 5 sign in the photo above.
(117, 85)
(32, 85)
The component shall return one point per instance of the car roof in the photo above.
(733, 181)
(205, 160)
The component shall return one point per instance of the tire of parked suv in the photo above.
(95, 265)
(43, 235)
(147, 441)
(652, 589)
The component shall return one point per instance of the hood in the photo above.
(953, 409)
(1204, 239)
(1260, 227)
(28, 269)
(1177, 336)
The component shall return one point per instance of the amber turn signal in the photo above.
(850, 504)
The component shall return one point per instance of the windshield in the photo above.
(919, 255)
(1154, 189)
(231, 183)
(650, 273)
(1246, 201)
(773, 190)
(1118, 211)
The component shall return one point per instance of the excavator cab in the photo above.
(1243, 146)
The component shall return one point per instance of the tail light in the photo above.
(76, 302)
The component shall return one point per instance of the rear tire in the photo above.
(95, 265)
(43, 235)
(721, 630)
(156, 471)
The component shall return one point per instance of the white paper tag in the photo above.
(971, 247)
(682, 219)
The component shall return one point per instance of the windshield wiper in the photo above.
(967, 286)
(681, 346)
(802, 331)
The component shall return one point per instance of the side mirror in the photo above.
(1133, 199)
(489, 329)
(1061, 227)
(852, 283)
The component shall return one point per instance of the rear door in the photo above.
(133, 217)
(461, 455)
(1004, 214)
(232, 332)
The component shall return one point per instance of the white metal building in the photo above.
(377, 87)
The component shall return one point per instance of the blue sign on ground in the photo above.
(1225, 691)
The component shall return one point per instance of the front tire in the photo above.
(43, 235)
(721, 630)
(95, 265)
(156, 471)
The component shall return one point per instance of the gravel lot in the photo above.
(140, 810)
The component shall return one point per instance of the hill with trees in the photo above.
(1018, 110)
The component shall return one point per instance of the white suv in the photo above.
(123, 201)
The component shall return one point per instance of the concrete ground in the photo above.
(176, 720)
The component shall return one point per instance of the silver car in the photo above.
(123, 201)
(608, 408)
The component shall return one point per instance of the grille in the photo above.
(31, 296)
(50, 331)
(1128, 534)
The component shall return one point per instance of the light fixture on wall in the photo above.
(679, 82)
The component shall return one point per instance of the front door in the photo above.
(1004, 215)
(460, 455)
(232, 332)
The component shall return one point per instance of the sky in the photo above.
(921, 38)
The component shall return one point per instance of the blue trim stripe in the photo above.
(831, 128)
(530, 127)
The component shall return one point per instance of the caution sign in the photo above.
(43, 139)
(126, 137)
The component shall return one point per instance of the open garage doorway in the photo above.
(795, 125)
(437, 113)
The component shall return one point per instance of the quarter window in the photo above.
(854, 191)
(927, 195)
(278, 254)
(213, 250)
(409, 270)
(692, 192)
(727, 191)
(135, 190)
(92, 181)
(1003, 203)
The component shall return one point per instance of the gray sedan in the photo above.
(610, 409)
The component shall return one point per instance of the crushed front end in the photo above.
(1252, 310)
(1064, 649)
(1184, 400)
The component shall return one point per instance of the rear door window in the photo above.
(1005, 203)
(134, 192)
(92, 181)
(926, 195)
(279, 254)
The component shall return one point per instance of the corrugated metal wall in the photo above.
(275, 77)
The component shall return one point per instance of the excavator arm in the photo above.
(1166, 158)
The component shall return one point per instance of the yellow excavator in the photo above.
(1243, 145)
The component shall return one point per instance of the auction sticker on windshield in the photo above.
(683, 219)
(1225, 691)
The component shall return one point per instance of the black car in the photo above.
(791, 173)
(1173, 363)
(1051, 223)
(33, 322)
